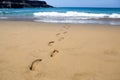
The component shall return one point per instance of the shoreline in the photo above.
(30, 21)
(105, 21)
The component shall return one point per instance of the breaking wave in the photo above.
(75, 15)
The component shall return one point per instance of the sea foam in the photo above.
(76, 15)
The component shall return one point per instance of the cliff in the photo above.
(23, 4)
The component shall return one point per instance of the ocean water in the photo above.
(75, 15)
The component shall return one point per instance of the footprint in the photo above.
(66, 27)
(83, 76)
(33, 64)
(61, 38)
(54, 53)
(57, 34)
(51, 43)
(111, 52)
(35, 75)
(65, 32)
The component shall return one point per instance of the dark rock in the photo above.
(23, 4)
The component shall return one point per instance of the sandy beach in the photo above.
(44, 51)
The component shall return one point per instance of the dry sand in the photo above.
(43, 51)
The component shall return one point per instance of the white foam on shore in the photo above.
(3, 18)
(80, 15)
(77, 17)
(80, 22)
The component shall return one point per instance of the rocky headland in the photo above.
(23, 4)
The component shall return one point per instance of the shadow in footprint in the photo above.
(65, 32)
(83, 76)
(61, 38)
(33, 64)
(66, 27)
(57, 34)
(51, 43)
(111, 52)
(54, 52)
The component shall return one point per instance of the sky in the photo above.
(84, 3)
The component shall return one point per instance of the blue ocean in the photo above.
(75, 15)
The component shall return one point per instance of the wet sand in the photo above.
(44, 51)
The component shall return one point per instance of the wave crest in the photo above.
(80, 15)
